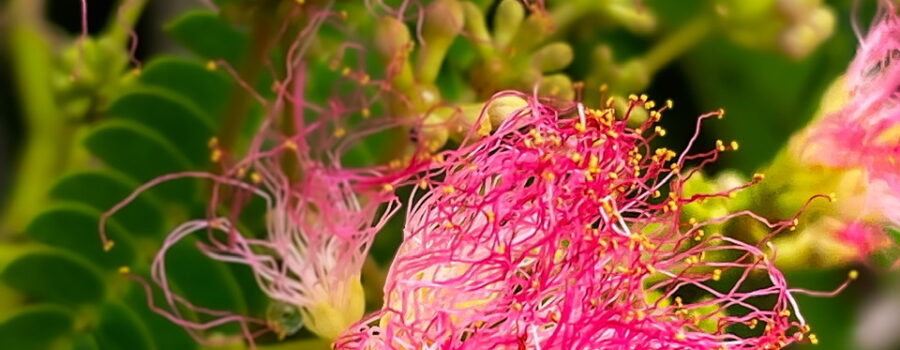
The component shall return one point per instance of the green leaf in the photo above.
(37, 327)
(206, 89)
(171, 115)
(166, 334)
(55, 276)
(75, 227)
(84, 342)
(205, 282)
(103, 190)
(209, 36)
(140, 153)
(120, 329)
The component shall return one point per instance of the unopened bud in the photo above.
(553, 57)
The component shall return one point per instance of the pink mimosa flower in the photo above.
(864, 132)
(321, 217)
(563, 230)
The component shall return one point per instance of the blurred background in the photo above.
(64, 157)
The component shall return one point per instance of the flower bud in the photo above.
(553, 57)
(444, 20)
(509, 16)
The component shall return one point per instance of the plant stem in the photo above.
(261, 39)
(39, 164)
(677, 43)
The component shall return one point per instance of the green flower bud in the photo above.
(507, 20)
(502, 107)
(475, 26)
(636, 19)
(558, 86)
(444, 20)
(553, 57)
(392, 37)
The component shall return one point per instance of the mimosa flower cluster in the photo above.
(563, 229)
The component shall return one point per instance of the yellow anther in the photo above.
(670, 104)
(339, 132)
(365, 79)
(346, 71)
(124, 270)
(633, 97)
(548, 176)
(211, 65)
(853, 274)
(490, 216)
(216, 155)
(644, 97)
(649, 105)
(720, 113)
(366, 113)
(735, 145)
(656, 194)
(659, 130)
(241, 173)
(290, 144)
(785, 313)
(576, 157)
(213, 142)
(759, 177)
(108, 245)
(832, 196)
(388, 188)
(255, 177)
(449, 189)
(720, 146)
(423, 184)
(717, 275)
(813, 339)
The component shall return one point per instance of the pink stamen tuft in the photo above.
(563, 230)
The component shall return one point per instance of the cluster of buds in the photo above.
(563, 229)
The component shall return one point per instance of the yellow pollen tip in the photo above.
(124, 270)
(108, 246)
(213, 142)
(734, 145)
(255, 177)
(388, 188)
(670, 104)
(832, 196)
(339, 132)
(759, 177)
(211, 65)
(721, 113)
(216, 155)
(853, 274)
(290, 144)
(449, 189)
